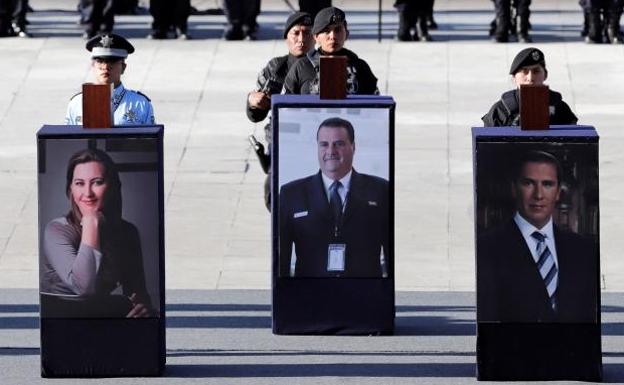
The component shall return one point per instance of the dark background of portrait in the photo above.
(139, 190)
(577, 209)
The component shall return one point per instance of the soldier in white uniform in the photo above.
(108, 54)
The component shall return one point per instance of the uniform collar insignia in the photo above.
(106, 41)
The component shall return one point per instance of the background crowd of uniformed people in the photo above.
(416, 18)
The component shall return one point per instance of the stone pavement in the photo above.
(217, 229)
(224, 337)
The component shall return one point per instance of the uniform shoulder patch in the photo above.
(145, 96)
(76, 94)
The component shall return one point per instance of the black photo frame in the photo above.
(545, 180)
(309, 297)
(87, 304)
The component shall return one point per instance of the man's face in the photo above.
(299, 40)
(536, 192)
(533, 75)
(335, 151)
(108, 70)
(332, 38)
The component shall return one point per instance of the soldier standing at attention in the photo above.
(330, 32)
(129, 108)
(414, 15)
(298, 36)
(96, 16)
(602, 21)
(503, 20)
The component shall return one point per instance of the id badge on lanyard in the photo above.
(336, 257)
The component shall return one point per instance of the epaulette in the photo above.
(76, 94)
(145, 96)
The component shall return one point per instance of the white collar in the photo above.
(527, 228)
(345, 181)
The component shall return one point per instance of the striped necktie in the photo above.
(547, 268)
(335, 201)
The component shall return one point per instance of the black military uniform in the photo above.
(271, 81)
(13, 18)
(241, 16)
(169, 15)
(506, 112)
(602, 20)
(503, 21)
(97, 16)
(6, 13)
(414, 15)
(303, 77)
(313, 6)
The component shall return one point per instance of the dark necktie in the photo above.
(547, 268)
(335, 202)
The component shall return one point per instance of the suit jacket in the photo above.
(307, 223)
(511, 289)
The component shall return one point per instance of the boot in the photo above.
(613, 32)
(492, 29)
(523, 30)
(585, 29)
(594, 31)
(513, 21)
(5, 28)
(501, 34)
(403, 34)
(431, 23)
(423, 32)
(20, 30)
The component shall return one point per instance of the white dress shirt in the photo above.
(342, 190)
(527, 229)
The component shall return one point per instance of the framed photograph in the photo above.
(101, 251)
(100, 227)
(333, 215)
(537, 230)
(334, 192)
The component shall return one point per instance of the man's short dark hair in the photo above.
(336, 123)
(535, 156)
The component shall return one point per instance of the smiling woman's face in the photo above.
(88, 187)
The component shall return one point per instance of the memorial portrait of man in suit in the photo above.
(334, 223)
(530, 269)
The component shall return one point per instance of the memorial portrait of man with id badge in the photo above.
(335, 222)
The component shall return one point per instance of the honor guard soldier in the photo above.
(528, 67)
(602, 21)
(298, 36)
(504, 20)
(330, 32)
(96, 16)
(313, 6)
(108, 54)
(414, 15)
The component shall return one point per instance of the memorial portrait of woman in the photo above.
(91, 262)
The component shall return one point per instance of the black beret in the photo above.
(527, 57)
(109, 45)
(297, 18)
(326, 17)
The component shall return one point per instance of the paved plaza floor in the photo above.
(217, 228)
